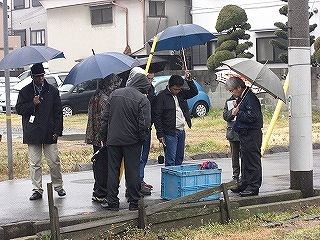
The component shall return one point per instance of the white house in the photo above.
(261, 15)
(77, 27)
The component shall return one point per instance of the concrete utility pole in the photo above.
(299, 98)
(7, 90)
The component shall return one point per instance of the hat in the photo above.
(37, 69)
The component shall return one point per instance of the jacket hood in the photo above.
(138, 79)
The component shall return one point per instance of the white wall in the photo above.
(70, 30)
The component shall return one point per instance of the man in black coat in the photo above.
(42, 120)
(171, 112)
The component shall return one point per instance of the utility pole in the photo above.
(299, 98)
(7, 90)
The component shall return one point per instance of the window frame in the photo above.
(275, 52)
(20, 5)
(42, 37)
(155, 8)
(36, 3)
(99, 20)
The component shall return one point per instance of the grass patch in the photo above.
(207, 135)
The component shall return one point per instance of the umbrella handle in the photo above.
(184, 60)
(155, 40)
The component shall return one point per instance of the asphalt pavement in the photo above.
(16, 206)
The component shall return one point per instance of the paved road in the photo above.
(15, 204)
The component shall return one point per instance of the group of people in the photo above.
(119, 127)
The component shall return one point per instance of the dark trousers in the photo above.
(235, 157)
(100, 173)
(131, 155)
(250, 144)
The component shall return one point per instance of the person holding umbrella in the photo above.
(96, 107)
(248, 124)
(42, 120)
(170, 115)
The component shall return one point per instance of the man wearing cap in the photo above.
(42, 121)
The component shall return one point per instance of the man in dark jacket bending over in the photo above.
(124, 127)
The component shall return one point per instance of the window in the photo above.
(86, 86)
(156, 8)
(199, 55)
(38, 37)
(22, 34)
(18, 4)
(101, 14)
(36, 3)
(267, 52)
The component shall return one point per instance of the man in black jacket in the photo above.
(170, 114)
(125, 125)
(42, 120)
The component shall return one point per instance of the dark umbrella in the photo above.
(180, 37)
(100, 65)
(29, 55)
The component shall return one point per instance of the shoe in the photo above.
(98, 199)
(145, 191)
(61, 192)
(35, 196)
(147, 185)
(133, 206)
(241, 187)
(110, 207)
(247, 193)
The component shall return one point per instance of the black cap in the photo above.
(37, 69)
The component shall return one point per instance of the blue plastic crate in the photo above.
(183, 180)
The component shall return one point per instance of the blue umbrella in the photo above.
(182, 36)
(29, 55)
(100, 65)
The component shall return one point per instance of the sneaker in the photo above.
(110, 207)
(35, 196)
(133, 206)
(62, 192)
(145, 191)
(98, 199)
(147, 185)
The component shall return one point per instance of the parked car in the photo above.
(13, 81)
(75, 99)
(198, 106)
(55, 78)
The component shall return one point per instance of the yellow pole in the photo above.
(153, 47)
(274, 118)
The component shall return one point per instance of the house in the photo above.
(261, 15)
(81, 27)
(28, 20)
(13, 41)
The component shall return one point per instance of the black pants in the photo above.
(131, 155)
(235, 157)
(250, 144)
(100, 173)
